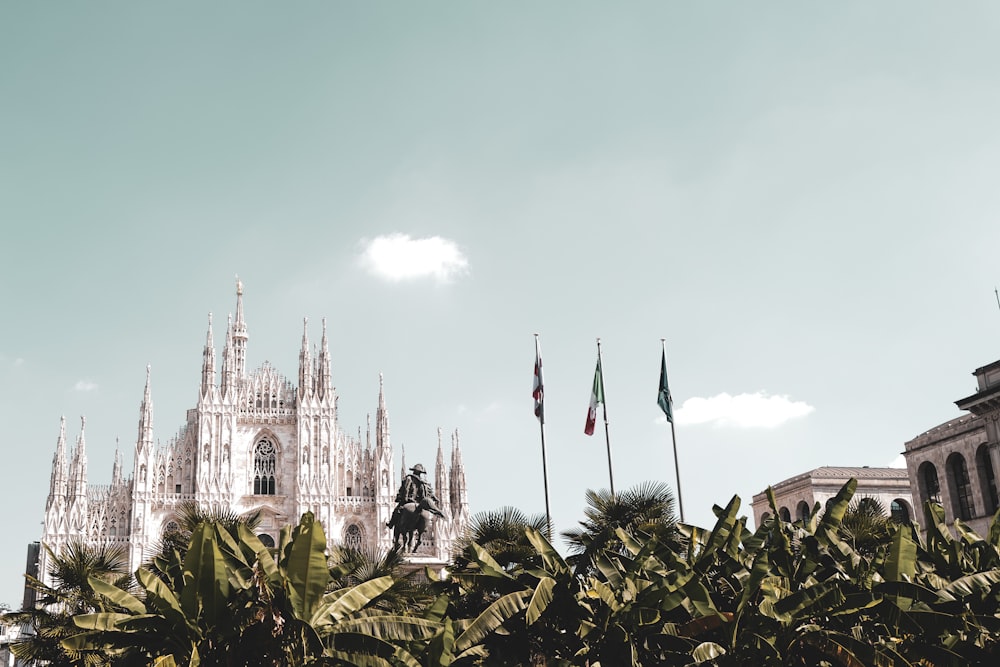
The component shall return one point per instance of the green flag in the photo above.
(664, 399)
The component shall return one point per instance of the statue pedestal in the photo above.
(416, 565)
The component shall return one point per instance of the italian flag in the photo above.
(596, 398)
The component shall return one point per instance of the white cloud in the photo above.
(898, 462)
(85, 385)
(398, 257)
(757, 410)
(13, 363)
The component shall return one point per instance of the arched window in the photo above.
(171, 527)
(352, 536)
(961, 486)
(266, 540)
(264, 464)
(987, 479)
(802, 511)
(899, 512)
(785, 514)
(930, 489)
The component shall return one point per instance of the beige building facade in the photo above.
(955, 464)
(795, 497)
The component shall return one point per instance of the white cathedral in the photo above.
(254, 442)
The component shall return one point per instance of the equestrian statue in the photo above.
(415, 502)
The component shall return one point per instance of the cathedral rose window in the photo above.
(264, 464)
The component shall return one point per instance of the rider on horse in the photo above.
(414, 490)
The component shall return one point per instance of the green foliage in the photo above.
(845, 586)
(78, 573)
(645, 509)
(502, 533)
(236, 603)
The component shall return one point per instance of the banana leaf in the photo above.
(540, 599)
(492, 618)
(342, 603)
(306, 567)
(117, 596)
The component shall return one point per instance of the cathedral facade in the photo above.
(255, 442)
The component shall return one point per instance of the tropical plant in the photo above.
(646, 509)
(236, 604)
(866, 525)
(71, 571)
(501, 533)
(825, 590)
(502, 606)
(352, 566)
(188, 516)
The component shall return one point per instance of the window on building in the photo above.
(899, 512)
(266, 540)
(785, 514)
(264, 466)
(930, 489)
(962, 503)
(177, 488)
(802, 511)
(987, 478)
(352, 536)
(350, 491)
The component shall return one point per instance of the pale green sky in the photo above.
(799, 197)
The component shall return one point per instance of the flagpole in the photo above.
(545, 478)
(673, 437)
(541, 426)
(604, 404)
(677, 468)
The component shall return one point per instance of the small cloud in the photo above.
(85, 385)
(398, 257)
(13, 363)
(898, 462)
(757, 410)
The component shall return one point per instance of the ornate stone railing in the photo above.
(268, 415)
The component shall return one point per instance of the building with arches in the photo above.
(796, 496)
(254, 442)
(955, 463)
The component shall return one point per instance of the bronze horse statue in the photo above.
(412, 521)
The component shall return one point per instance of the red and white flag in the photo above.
(538, 389)
(596, 398)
